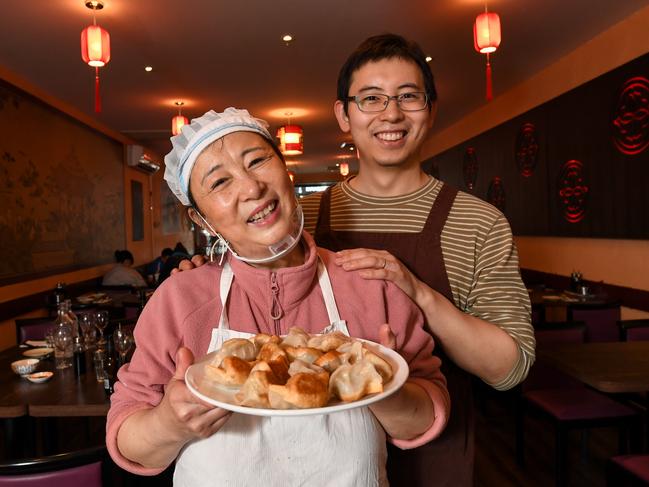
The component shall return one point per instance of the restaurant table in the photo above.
(65, 394)
(609, 367)
(555, 303)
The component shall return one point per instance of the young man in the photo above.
(452, 253)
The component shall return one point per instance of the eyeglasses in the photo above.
(408, 102)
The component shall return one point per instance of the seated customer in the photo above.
(154, 268)
(226, 168)
(123, 274)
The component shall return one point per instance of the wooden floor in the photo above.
(495, 448)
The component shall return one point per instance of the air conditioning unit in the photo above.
(137, 158)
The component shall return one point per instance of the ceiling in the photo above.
(213, 54)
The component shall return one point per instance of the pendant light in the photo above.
(179, 120)
(344, 169)
(291, 138)
(95, 47)
(486, 39)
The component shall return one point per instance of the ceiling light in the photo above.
(287, 38)
(344, 169)
(428, 59)
(148, 69)
(95, 48)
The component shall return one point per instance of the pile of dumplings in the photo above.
(297, 371)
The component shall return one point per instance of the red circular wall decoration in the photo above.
(631, 117)
(573, 191)
(470, 167)
(496, 193)
(526, 150)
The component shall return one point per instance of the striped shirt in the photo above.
(477, 246)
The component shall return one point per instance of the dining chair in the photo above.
(601, 320)
(633, 330)
(567, 403)
(627, 470)
(32, 328)
(76, 468)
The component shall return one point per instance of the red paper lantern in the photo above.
(95, 51)
(177, 123)
(486, 32)
(486, 39)
(344, 169)
(291, 142)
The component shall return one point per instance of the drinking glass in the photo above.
(87, 324)
(63, 342)
(123, 339)
(101, 322)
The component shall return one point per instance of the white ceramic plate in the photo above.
(38, 377)
(223, 397)
(38, 352)
(36, 343)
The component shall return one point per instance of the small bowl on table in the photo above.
(25, 366)
(38, 377)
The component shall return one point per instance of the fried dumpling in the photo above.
(296, 337)
(302, 367)
(380, 364)
(270, 351)
(254, 392)
(351, 352)
(351, 382)
(328, 341)
(306, 354)
(300, 392)
(261, 338)
(232, 371)
(329, 361)
(236, 347)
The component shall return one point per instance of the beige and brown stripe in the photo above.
(479, 254)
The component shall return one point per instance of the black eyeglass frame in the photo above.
(387, 98)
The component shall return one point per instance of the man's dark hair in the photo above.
(166, 252)
(385, 46)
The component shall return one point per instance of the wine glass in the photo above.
(101, 322)
(123, 339)
(87, 324)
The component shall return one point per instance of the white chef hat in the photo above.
(196, 136)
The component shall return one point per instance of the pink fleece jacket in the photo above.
(187, 306)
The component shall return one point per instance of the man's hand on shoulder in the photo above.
(186, 265)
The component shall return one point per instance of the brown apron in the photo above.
(447, 460)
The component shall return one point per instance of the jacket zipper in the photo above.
(276, 310)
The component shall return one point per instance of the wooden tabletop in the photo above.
(608, 367)
(65, 394)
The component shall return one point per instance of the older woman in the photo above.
(226, 168)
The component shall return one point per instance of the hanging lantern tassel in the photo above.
(489, 81)
(97, 96)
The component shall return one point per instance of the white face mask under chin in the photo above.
(276, 251)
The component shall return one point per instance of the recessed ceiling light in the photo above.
(287, 38)
(428, 59)
(148, 69)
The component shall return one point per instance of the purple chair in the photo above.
(601, 320)
(633, 330)
(568, 404)
(78, 468)
(628, 470)
(32, 328)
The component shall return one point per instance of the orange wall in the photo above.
(621, 262)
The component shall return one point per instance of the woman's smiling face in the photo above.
(240, 185)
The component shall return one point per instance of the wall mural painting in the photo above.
(573, 191)
(496, 193)
(631, 117)
(470, 168)
(526, 150)
(61, 187)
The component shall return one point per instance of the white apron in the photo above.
(343, 449)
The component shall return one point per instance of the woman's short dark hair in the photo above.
(123, 255)
(385, 46)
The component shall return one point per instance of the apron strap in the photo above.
(327, 292)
